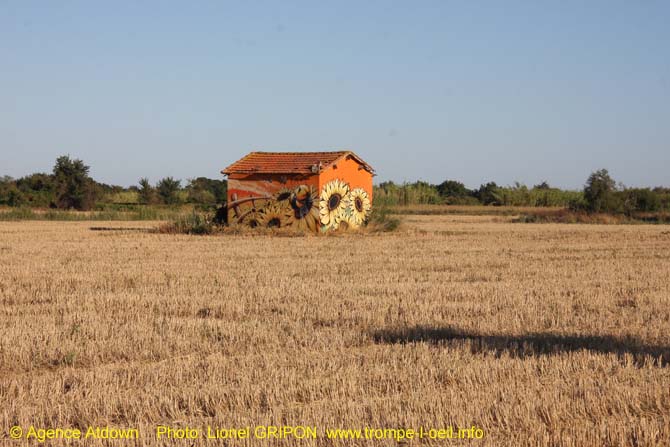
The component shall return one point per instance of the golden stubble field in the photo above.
(543, 335)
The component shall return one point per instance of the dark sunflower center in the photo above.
(274, 222)
(301, 207)
(358, 203)
(253, 223)
(283, 196)
(334, 201)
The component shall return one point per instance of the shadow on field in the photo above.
(533, 344)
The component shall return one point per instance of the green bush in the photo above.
(381, 220)
(640, 199)
(451, 189)
(207, 191)
(195, 223)
(146, 193)
(168, 189)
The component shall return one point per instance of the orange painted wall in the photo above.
(348, 171)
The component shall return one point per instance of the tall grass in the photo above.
(473, 210)
(382, 220)
(582, 217)
(194, 223)
(122, 213)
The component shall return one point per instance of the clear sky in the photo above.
(474, 91)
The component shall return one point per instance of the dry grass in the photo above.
(543, 335)
(471, 210)
(111, 213)
(561, 215)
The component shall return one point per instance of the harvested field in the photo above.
(539, 335)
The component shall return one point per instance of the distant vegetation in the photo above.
(601, 194)
(110, 212)
(69, 187)
(452, 192)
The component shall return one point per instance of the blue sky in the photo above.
(432, 90)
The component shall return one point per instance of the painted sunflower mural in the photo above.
(333, 204)
(357, 207)
(251, 218)
(305, 207)
(274, 215)
(337, 207)
(283, 197)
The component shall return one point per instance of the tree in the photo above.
(488, 194)
(146, 192)
(167, 190)
(452, 188)
(206, 191)
(599, 192)
(74, 188)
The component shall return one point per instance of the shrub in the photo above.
(381, 220)
(168, 188)
(453, 189)
(205, 190)
(194, 223)
(578, 204)
(663, 197)
(14, 197)
(640, 199)
(201, 196)
(146, 193)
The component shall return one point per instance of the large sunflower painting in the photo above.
(357, 207)
(304, 206)
(274, 215)
(333, 203)
(283, 197)
(251, 218)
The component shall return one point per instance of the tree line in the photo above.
(69, 186)
(601, 193)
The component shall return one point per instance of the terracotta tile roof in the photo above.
(288, 162)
